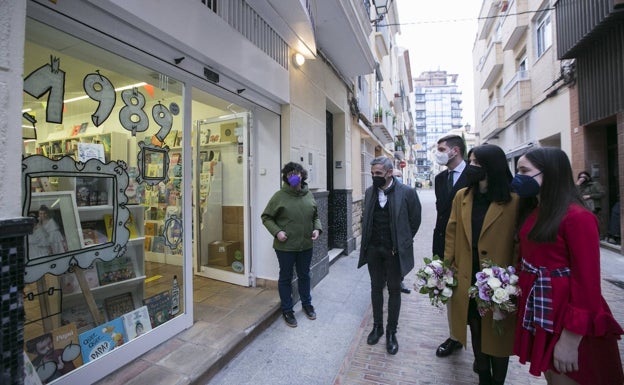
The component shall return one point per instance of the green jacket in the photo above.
(294, 212)
(595, 191)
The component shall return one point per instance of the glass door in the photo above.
(220, 195)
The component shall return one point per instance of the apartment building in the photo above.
(381, 120)
(190, 110)
(522, 96)
(438, 112)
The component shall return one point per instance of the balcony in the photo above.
(382, 42)
(492, 120)
(342, 31)
(488, 13)
(515, 24)
(517, 95)
(491, 64)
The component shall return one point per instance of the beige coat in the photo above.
(496, 243)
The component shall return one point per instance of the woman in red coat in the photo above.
(565, 328)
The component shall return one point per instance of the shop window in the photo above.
(103, 176)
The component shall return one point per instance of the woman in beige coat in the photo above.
(482, 226)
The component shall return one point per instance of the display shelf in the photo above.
(115, 145)
(134, 252)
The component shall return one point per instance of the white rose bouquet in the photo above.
(437, 279)
(497, 290)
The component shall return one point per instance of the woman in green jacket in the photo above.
(591, 191)
(291, 216)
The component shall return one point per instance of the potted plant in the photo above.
(378, 115)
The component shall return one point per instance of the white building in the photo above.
(201, 103)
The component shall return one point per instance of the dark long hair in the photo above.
(557, 192)
(493, 160)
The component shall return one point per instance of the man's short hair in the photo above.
(384, 161)
(455, 141)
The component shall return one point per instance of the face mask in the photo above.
(474, 173)
(525, 186)
(400, 179)
(379, 181)
(294, 180)
(442, 158)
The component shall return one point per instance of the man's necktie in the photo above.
(449, 182)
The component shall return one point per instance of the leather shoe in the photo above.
(405, 289)
(375, 335)
(392, 345)
(448, 347)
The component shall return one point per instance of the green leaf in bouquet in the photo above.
(427, 260)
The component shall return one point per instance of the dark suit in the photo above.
(444, 202)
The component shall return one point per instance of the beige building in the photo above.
(521, 88)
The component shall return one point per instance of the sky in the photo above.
(439, 36)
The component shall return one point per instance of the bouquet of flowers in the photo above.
(497, 290)
(436, 279)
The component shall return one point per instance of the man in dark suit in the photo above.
(390, 219)
(450, 153)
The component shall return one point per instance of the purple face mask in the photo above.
(294, 180)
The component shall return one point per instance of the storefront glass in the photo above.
(220, 146)
(103, 176)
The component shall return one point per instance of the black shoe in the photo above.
(375, 335)
(448, 347)
(289, 318)
(392, 345)
(309, 311)
(405, 289)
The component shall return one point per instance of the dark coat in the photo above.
(405, 212)
(444, 202)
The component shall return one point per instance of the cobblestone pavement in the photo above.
(422, 327)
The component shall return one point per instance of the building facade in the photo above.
(381, 121)
(592, 41)
(521, 88)
(437, 112)
(150, 150)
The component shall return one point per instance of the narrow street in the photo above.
(333, 350)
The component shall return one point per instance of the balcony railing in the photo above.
(515, 23)
(492, 120)
(517, 95)
(492, 64)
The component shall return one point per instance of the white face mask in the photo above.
(442, 158)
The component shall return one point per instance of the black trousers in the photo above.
(384, 269)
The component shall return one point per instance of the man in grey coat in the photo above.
(390, 219)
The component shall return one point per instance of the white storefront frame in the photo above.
(79, 20)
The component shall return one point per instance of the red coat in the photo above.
(577, 304)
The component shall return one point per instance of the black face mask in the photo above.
(379, 181)
(474, 173)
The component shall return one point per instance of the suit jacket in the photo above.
(444, 200)
(497, 242)
(405, 212)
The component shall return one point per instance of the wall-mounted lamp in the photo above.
(381, 8)
(298, 60)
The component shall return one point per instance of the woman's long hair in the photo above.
(493, 160)
(557, 193)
